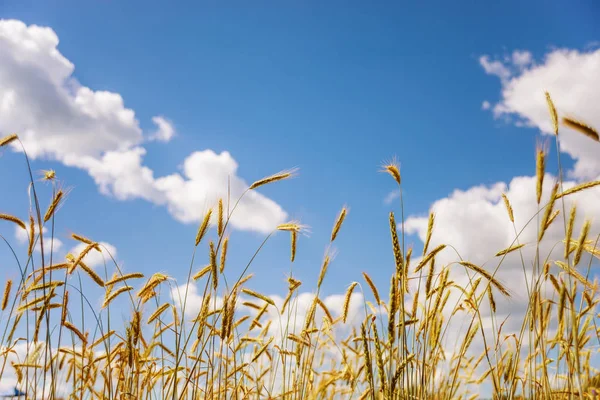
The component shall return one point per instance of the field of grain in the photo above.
(235, 349)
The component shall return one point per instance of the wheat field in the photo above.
(244, 345)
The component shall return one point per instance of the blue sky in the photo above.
(334, 89)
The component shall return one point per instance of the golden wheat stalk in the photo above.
(76, 331)
(6, 295)
(540, 168)
(294, 240)
(202, 272)
(262, 350)
(429, 256)
(65, 309)
(220, 218)
(274, 178)
(92, 274)
(257, 295)
(213, 265)
(373, 288)
(487, 276)
(118, 279)
(509, 208)
(223, 255)
(53, 205)
(338, 223)
(347, 297)
(553, 114)
(5, 141)
(11, 218)
(582, 237)
(581, 128)
(323, 270)
(578, 188)
(203, 227)
(569, 233)
(393, 169)
(109, 298)
(325, 310)
(157, 313)
(31, 236)
(510, 249)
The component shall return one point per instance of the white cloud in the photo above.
(391, 196)
(57, 118)
(522, 59)
(494, 67)
(194, 300)
(50, 244)
(94, 258)
(476, 223)
(165, 131)
(485, 105)
(572, 79)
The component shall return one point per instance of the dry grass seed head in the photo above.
(510, 249)
(393, 168)
(6, 140)
(121, 278)
(110, 297)
(540, 168)
(323, 270)
(53, 205)
(294, 241)
(213, 265)
(13, 219)
(338, 223)
(274, 178)
(31, 235)
(257, 295)
(487, 276)
(6, 295)
(509, 208)
(545, 223)
(569, 233)
(430, 223)
(203, 227)
(581, 128)
(553, 114)
(220, 218)
(347, 298)
(578, 188)
(579, 249)
(373, 288)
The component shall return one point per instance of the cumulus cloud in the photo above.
(60, 119)
(572, 79)
(50, 244)
(293, 318)
(476, 223)
(165, 131)
(391, 196)
(194, 300)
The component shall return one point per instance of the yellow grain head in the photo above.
(347, 298)
(6, 295)
(553, 114)
(540, 169)
(581, 127)
(274, 178)
(338, 223)
(393, 168)
(203, 227)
